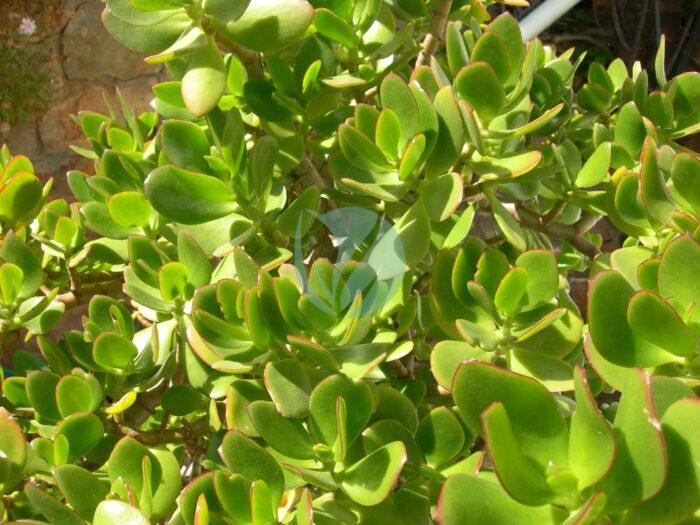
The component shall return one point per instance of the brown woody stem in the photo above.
(562, 232)
(437, 29)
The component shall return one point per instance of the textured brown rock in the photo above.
(23, 138)
(90, 53)
(84, 64)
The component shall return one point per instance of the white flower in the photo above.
(27, 27)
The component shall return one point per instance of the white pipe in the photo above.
(544, 16)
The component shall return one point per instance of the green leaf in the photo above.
(658, 107)
(343, 81)
(50, 507)
(461, 228)
(491, 49)
(187, 197)
(245, 457)
(289, 386)
(478, 84)
(359, 361)
(191, 497)
(11, 278)
(82, 431)
(262, 509)
(630, 132)
(13, 447)
(542, 277)
(114, 512)
(323, 421)
(507, 27)
(262, 162)
(677, 500)
(680, 262)
(652, 187)
(286, 436)
(443, 196)
(74, 394)
(185, 144)
(440, 436)
(98, 218)
(233, 492)
(523, 481)
(371, 480)
(129, 209)
(640, 466)
(392, 404)
(126, 463)
(19, 198)
(511, 290)
(113, 351)
(239, 394)
(455, 48)
(506, 222)
(404, 245)
(360, 150)
(332, 26)
(41, 388)
(537, 424)
(173, 279)
(412, 157)
(181, 400)
(388, 133)
(596, 168)
(270, 25)
(21, 163)
(388, 431)
(486, 503)
(14, 250)
(304, 513)
(653, 319)
(660, 63)
(507, 167)
(611, 333)
(448, 355)
(192, 40)
(532, 126)
(552, 372)
(398, 97)
(149, 39)
(296, 220)
(81, 488)
(14, 390)
(205, 80)
(450, 140)
(193, 257)
(225, 11)
(685, 173)
(589, 432)
(480, 335)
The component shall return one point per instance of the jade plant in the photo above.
(328, 279)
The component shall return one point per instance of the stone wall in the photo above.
(85, 65)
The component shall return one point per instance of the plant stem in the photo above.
(72, 299)
(168, 435)
(562, 232)
(437, 29)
